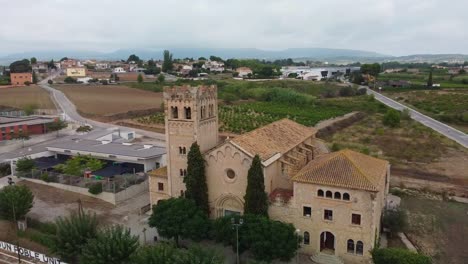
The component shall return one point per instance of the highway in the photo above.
(448, 131)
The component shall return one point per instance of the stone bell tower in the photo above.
(191, 115)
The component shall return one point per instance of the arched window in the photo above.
(174, 112)
(350, 246)
(329, 194)
(359, 248)
(185, 172)
(182, 193)
(181, 171)
(338, 195)
(184, 150)
(180, 150)
(306, 238)
(188, 113)
(320, 193)
(346, 196)
(201, 112)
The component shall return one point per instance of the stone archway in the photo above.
(228, 205)
(327, 242)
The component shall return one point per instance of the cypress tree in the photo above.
(195, 181)
(256, 201)
(429, 80)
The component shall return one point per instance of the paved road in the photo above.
(70, 113)
(440, 127)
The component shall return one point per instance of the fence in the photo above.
(21, 113)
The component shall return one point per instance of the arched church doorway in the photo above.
(229, 205)
(327, 242)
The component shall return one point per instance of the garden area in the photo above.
(438, 227)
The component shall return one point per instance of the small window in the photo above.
(337, 196)
(306, 211)
(350, 246)
(182, 194)
(230, 174)
(328, 215)
(356, 219)
(184, 150)
(306, 238)
(346, 196)
(329, 194)
(181, 171)
(158, 165)
(359, 248)
(175, 112)
(320, 193)
(160, 186)
(185, 173)
(188, 113)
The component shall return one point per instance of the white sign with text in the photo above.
(29, 253)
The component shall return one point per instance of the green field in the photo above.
(439, 76)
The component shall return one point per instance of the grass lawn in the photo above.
(20, 97)
(439, 228)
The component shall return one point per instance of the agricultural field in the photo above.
(450, 107)
(98, 101)
(437, 227)
(413, 149)
(21, 97)
(441, 77)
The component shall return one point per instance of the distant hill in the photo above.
(340, 56)
(315, 53)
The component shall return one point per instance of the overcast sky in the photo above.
(394, 27)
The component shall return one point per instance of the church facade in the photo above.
(335, 200)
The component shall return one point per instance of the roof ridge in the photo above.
(320, 163)
(345, 154)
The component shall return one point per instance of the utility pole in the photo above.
(237, 225)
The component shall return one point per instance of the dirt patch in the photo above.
(328, 127)
(159, 128)
(19, 97)
(108, 100)
(120, 116)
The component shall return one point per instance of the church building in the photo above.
(335, 200)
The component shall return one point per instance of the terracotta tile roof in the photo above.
(161, 172)
(345, 168)
(277, 137)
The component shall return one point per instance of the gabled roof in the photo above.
(277, 137)
(345, 168)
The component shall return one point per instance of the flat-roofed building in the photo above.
(10, 127)
(20, 78)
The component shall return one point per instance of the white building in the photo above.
(213, 66)
(118, 70)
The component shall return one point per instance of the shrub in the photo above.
(398, 256)
(69, 80)
(361, 91)
(95, 188)
(335, 147)
(50, 82)
(395, 220)
(45, 177)
(347, 91)
(405, 114)
(27, 83)
(391, 118)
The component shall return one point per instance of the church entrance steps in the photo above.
(322, 258)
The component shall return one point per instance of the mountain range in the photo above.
(318, 54)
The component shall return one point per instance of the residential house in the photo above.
(118, 70)
(76, 72)
(20, 78)
(102, 66)
(244, 71)
(214, 66)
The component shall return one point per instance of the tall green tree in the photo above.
(177, 218)
(167, 65)
(56, 126)
(15, 202)
(195, 181)
(78, 164)
(392, 118)
(372, 69)
(112, 245)
(20, 66)
(159, 254)
(161, 78)
(33, 60)
(25, 165)
(140, 78)
(429, 80)
(134, 58)
(73, 233)
(256, 200)
(34, 77)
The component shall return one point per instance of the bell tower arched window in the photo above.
(174, 112)
(188, 112)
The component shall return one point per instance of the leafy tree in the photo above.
(15, 202)
(256, 201)
(195, 181)
(429, 80)
(29, 109)
(292, 75)
(161, 253)
(78, 164)
(405, 114)
(25, 165)
(151, 63)
(63, 59)
(161, 78)
(215, 58)
(371, 69)
(202, 58)
(112, 245)
(398, 256)
(56, 126)
(33, 60)
(20, 66)
(256, 236)
(69, 80)
(391, 118)
(34, 77)
(134, 58)
(347, 91)
(51, 65)
(140, 78)
(198, 255)
(167, 65)
(73, 234)
(179, 218)
(395, 220)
